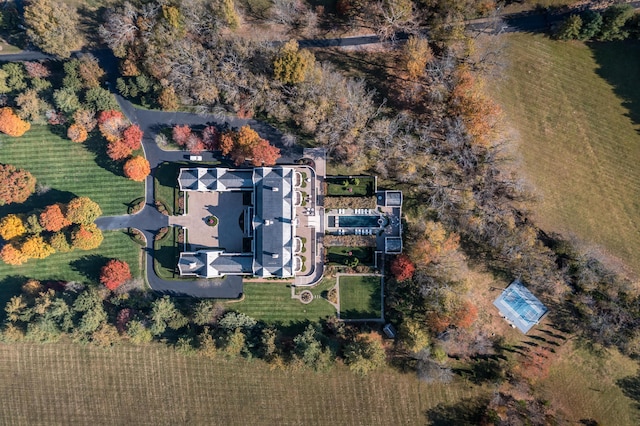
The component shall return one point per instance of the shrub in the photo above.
(11, 124)
(16, 185)
(77, 133)
(137, 169)
(11, 226)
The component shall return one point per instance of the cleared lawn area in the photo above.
(166, 253)
(73, 384)
(271, 302)
(78, 265)
(360, 297)
(572, 107)
(69, 169)
(583, 385)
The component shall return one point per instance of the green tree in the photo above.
(31, 106)
(570, 29)
(364, 355)
(138, 333)
(591, 24)
(83, 210)
(413, 336)
(66, 100)
(92, 313)
(53, 27)
(235, 344)
(233, 320)
(309, 350)
(101, 99)
(164, 313)
(292, 64)
(15, 76)
(613, 22)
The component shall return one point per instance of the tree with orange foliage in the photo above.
(118, 150)
(35, 247)
(11, 124)
(137, 168)
(16, 185)
(434, 243)
(85, 118)
(115, 273)
(466, 315)
(86, 236)
(12, 256)
(402, 267)
(77, 133)
(264, 154)
(83, 210)
(132, 136)
(53, 219)
(111, 124)
(11, 226)
(180, 134)
(226, 143)
(479, 113)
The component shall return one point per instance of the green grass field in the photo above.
(336, 187)
(271, 302)
(72, 384)
(575, 112)
(360, 297)
(78, 265)
(583, 385)
(166, 253)
(339, 254)
(69, 169)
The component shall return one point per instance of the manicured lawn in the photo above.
(66, 383)
(575, 112)
(336, 186)
(360, 296)
(338, 255)
(166, 253)
(78, 265)
(271, 302)
(69, 170)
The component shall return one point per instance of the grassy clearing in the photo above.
(575, 111)
(69, 169)
(78, 265)
(271, 302)
(72, 384)
(360, 297)
(583, 385)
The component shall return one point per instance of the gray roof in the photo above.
(273, 222)
(393, 198)
(216, 179)
(214, 263)
(520, 306)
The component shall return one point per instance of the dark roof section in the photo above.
(273, 222)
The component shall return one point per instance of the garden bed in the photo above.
(347, 256)
(355, 186)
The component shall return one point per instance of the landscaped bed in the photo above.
(350, 256)
(350, 187)
(360, 296)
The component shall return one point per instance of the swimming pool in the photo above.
(356, 221)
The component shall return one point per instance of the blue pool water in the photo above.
(357, 221)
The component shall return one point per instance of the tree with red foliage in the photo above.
(114, 274)
(53, 219)
(16, 185)
(211, 138)
(137, 168)
(465, 315)
(264, 154)
(122, 320)
(12, 256)
(77, 133)
(180, 134)
(86, 236)
(111, 124)
(195, 144)
(118, 150)
(402, 268)
(11, 124)
(83, 210)
(132, 137)
(36, 69)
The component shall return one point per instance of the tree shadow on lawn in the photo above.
(97, 145)
(37, 201)
(10, 286)
(619, 65)
(631, 388)
(89, 266)
(466, 412)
